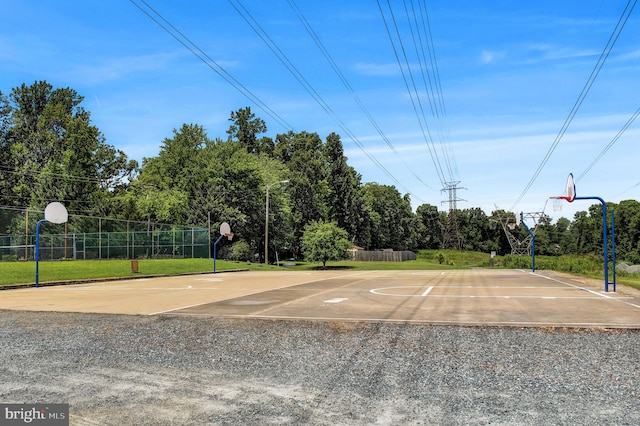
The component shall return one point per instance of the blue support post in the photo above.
(215, 246)
(613, 248)
(38, 249)
(605, 242)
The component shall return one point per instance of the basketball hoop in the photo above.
(229, 235)
(569, 194)
(557, 204)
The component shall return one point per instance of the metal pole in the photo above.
(613, 247)
(266, 228)
(38, 249)
(266, 222)
(604, 238)
(215, 245)
(26, 235)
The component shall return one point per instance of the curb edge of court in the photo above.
(109, 279)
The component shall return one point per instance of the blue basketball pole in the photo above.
(613, 248)
(38, 248)
(606, 243)
(215, 246)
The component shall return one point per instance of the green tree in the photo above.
(246, 128)
(307, 188)
(345, 202)
(324, 241)
(56, 154)
(430, 226)
(390, 216)
(168, 182)
(627, 227)
(5, 153)
(565, 243)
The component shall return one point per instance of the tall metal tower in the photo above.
(509, 223)
(452, 236)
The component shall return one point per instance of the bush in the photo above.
(239, 251)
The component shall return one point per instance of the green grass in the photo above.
(50, 271)
(24, 272)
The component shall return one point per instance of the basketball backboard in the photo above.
(56, 213)
(225, 230)
(570, 190)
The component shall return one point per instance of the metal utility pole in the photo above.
(266, 221)
(510, 222)
(452, 237)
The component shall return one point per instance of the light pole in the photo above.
(266, 222)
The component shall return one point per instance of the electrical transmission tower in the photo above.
(452, 237)
(509, 223)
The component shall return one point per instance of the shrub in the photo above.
(239, 251)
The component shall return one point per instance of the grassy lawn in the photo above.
(24, 272)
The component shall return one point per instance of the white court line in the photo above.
(617, 299)
(570, 285)
(427, 291)
(260, 291)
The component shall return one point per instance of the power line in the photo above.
(583, 94)
(282, 57)
(348, 86)
(423, 127)
(210, 63)
(451, 159)
(436, 98)
(613, 141)
(213, 65)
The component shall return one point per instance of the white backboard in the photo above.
(56, 213)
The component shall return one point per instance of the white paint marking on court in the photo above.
(571, 285)
(336, 300)
(617, 299)
(177, 309)
(427, 291)
(210, 280)
(261, 291)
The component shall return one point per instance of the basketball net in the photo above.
(557, 204)
(229, 235)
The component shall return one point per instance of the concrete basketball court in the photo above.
(465, 297)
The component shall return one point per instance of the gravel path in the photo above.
(134, 370)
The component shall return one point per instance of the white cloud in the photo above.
(377, 69)
(489, 57)
(113, 69)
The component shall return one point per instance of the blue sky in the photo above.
(507, 77)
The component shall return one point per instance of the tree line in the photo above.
(50, 151)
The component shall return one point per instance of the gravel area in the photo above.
(135, 370)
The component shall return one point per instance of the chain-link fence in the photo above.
(85, 237)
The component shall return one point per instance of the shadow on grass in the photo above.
(332, 268)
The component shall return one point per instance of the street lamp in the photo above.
(266, 222)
